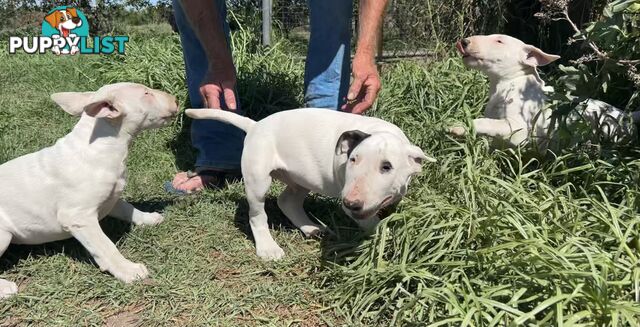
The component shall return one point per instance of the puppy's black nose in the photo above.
(355, 205)
(75, 20)
(465, 42)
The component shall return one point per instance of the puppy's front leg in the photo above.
(85, 228)
(256, 186)
(124, 211)
(507, 130)
(7, 288)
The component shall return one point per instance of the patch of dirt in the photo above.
(224, 274)
(22, 284)
(10, 322)
(302, 317)
(129, 317)
(291, 315)
(217, 255)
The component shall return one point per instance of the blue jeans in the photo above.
(326, 76)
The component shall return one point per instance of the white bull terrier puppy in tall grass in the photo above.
(364, 161)
(64, 190)
(516, 109)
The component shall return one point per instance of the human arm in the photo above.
(220, 80)
(366, 79)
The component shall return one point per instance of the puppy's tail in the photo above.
(228, 117)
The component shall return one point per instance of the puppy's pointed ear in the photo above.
(349, 140)
(102, 108)
(72, 102)
(53, 19)
(90, 102)
(72, 11)
(417, 158)
(535, 57)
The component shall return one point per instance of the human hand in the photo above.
(219, 83)
(365, 85)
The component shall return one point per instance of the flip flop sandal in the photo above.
(217, 181)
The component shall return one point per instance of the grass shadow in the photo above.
(338, 243)
(277, 220)
(263, 92)
(152, 206)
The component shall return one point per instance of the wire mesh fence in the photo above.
(411, 29)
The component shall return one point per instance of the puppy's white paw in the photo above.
(270, 252)
(129, 272)
(457, 131)
(7, 288)
(312, 231)
(148, 218)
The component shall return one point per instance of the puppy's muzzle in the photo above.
(173, 111)
(353, 206)
(462, 46)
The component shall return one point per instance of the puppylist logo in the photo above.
(65, 30)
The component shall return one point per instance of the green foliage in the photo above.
(435, 24)
(495, 238)
(608, 70)
(157, 64)
(24, 17)
(492, 238)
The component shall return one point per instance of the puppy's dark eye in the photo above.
(386, 167)
(352, 159)
(499, 41)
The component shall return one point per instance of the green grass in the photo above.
(484, 238)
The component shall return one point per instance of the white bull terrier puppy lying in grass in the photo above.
(364, 161)
(64, 190)
(516, 109)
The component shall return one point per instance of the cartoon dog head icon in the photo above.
(64, 20)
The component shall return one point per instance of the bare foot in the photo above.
(189, 182)
(195, 183)
(180, 178)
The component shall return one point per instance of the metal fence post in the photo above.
(266, 22)
(380, 44)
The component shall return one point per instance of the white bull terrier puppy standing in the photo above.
(364, 161)
(516, 108)
(63, 191)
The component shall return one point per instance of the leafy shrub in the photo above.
(24, 24)
(608, 70)
(156, 63)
